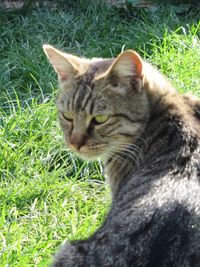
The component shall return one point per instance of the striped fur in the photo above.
(150, 146)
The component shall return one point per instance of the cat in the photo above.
(123, 111)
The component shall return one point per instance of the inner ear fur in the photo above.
(128, 63)
(65, 65)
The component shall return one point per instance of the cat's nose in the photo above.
(77, 140)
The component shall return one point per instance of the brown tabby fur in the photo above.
(150, 147)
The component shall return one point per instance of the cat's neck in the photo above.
(170, 131)
(121, 165)
(156, 85)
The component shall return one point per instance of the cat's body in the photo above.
(153, 163)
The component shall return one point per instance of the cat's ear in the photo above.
(64, 64)
(128, 63)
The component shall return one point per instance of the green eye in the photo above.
(68, 116)
(101, 118)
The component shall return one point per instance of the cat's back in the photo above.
(161, 199)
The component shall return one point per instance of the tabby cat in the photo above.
(126, 113)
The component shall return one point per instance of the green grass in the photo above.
(47, 195)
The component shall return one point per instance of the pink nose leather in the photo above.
(77, 140)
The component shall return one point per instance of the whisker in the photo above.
(127, 146)
(128, 154)
(142, 140)
(117, 156)
(134, 153)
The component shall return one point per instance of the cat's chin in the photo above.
(86, 153)
(88, 156)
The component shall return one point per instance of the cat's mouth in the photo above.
(89, 153)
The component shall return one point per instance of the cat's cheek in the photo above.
(66, 129)
(65, 126)
(66, 135)
(66, 138)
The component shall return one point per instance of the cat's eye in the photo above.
(68, 116)
(100, 118)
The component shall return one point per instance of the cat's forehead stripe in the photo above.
(83, 92)
(81, 97)
(85, 101)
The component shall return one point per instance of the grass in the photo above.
(47, 195)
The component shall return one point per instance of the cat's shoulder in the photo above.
(194, 103)
(189, 107)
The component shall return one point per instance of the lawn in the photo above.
(47, 195)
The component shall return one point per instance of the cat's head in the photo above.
(102, 106)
